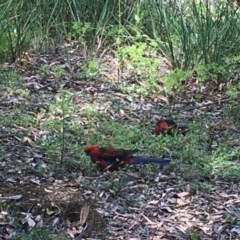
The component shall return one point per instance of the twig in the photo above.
(208, 104)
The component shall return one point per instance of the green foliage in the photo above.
(16, 117)
(14, 34)
(194, 235)
(81, 32)
(223, 162)
(111, 133)
(19, 23)
(35, 233)
(231, 219)
(202, 186)
(10, 80)
(211, 71)
(234, 108)
(91, 68)
(233, 90)
(191, 32)
(187, 32)
(61, 106)
(105, 131)
(232, 76)
(174, 80)
(58, 121)
(142, 60)
(59, 71)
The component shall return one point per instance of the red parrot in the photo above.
(112, 158)
(168, 126)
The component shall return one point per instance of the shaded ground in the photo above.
(185, 200)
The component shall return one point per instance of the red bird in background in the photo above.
(168, 126)
(112, 158)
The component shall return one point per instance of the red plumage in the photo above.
(168, 126)
(113, 158)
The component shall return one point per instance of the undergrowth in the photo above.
(195, 42)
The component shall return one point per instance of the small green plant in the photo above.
(58, 71)
(35, 233)
(10, 79)
(44, 69)
(18, 118)
(175, 80)
(81, 31)
(193, 235)
(115, 134)
(202, 186)
(58, 120)
(133, 88)
(233, 90)
(234, 109)
(91, 110)
(230, 219)
(142, 61)
(91, 68)
(209, 72)
(223, 162)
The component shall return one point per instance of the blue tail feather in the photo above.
(147, 160)
(182, 126)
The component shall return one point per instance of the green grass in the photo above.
(40, 234)
(66, 137)
(191, 149)
(187, 33)
(196, 40)
(17, 118)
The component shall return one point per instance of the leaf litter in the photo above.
(151, 207)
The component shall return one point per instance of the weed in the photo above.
(230, 219)
(175, 80)
(91, 68)
(9, 79)
(211, 72)
(233, 91)
(202, 186)
(194, 235)
(141, 58)
(81, 31)
(35, 233)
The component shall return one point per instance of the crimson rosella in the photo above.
(168, 126)
(112, 158)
